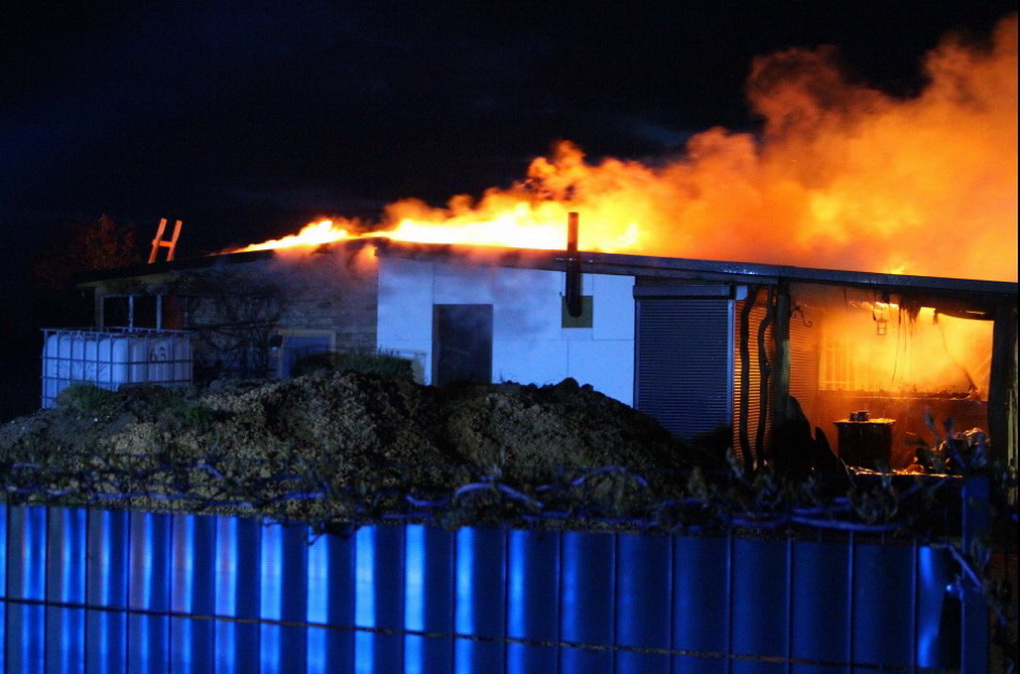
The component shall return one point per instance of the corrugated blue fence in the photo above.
(89, 590)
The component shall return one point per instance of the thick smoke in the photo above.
(842, 176)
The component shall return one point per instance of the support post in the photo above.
(781, 359)
(1002, 389)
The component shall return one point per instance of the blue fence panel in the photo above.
(149, 566)
(65, 590)
(106, 589)
(701, 604)
(194, 549)
(937, 610)
(388, 644)
(533, 607)
(429, 599)
(236, 594)
(586, 601)
(25, 620)
(271, 590)
(378, 602)
(225, 589)
(882, 622)
(330, 601)
(109, 591)
(340, 642)
(294, 602)
(759, 604)
(820, 625)
(643, 607)
(317, 601)
(480, 600)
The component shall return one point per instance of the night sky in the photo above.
(249, 119)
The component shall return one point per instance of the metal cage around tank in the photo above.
(112, 357)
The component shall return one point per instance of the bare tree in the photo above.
(232, 314)
(82, 246)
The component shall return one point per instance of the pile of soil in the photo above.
(343, 446)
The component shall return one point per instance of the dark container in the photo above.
(867, 444)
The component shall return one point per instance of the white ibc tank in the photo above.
(110, 358)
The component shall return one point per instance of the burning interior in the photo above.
(872, 369)
(896, 360)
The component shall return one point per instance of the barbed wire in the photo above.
(869, 504)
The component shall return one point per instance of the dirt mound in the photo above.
(330, 444)
(341, 449)
(515, 430)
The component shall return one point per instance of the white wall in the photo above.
(529, 344)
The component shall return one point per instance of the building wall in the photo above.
(529, 343)
(334, 293)
(234, 310)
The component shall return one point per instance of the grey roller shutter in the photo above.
(684, 363)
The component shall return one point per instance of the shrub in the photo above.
(89, 400)
(365, 362)
(183, 412)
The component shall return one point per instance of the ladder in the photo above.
(159, 242)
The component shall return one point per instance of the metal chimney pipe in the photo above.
(572, 292)
(572, 224)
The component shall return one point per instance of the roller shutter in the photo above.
(684, 362)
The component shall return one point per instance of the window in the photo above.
(138, 311)
(291, 346)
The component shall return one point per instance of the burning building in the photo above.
(880, 289)
(703, 346)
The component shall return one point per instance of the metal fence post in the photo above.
(974, 628)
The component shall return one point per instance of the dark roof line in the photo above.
(694, 269)
(607, 263)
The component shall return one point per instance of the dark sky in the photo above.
(246, 119)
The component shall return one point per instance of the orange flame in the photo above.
(844, 177)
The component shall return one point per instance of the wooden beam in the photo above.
(781, 360)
